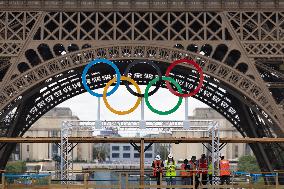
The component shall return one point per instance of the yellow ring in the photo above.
(117, 111)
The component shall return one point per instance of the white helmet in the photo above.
(170, 156)
(157, 157)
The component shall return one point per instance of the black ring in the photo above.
(159, 83)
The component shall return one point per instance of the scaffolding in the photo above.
(210, 129)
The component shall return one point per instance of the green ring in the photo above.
(146, 95)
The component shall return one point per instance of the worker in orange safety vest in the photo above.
(224, 171)
(202, 167)
(158, 166)
(185, 173)
(193, 171)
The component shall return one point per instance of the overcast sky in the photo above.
(85, 105)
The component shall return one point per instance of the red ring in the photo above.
(201, 77)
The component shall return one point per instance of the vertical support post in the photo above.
(126, 180)
(142, 162)
(161, 179)
(213, 152)
(66, 165)
(119, 181)
(250, 183)
(142, 124)
(276, 180)
(49, 181)
(62, 154)
(200, 182)
(85, 181)
(3, 180)
(99, 109)
(186, 121)
(98, 121)
(214, 132)
(217, 142)
(193, 180)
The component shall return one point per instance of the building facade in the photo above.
(226, 129)
(127, 154)
(49, 125)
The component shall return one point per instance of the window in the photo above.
(115, 148)
(53, 133)
(126, 148)
(126, 155)
(236, 151)
(148, 155)
(247, 149)
(28, 148)
(136, 155)
(115, 155)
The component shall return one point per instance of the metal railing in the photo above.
(130, 180)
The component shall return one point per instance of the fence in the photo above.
(131, 180)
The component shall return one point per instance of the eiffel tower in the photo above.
(44, 46)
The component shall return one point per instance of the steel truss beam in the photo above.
(142, 5)
(11, 140)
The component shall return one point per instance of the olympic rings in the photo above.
(147, 96)
(84, 81)
(201, 77)
(146, 62)
(123, 78)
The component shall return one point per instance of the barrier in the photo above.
(131, 180)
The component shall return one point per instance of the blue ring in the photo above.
(84, 80)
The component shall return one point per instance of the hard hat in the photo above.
(170, 156)
(157, 157)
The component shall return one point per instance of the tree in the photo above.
(16, 167)
(100, 152)
(162, 150)
(248, 164)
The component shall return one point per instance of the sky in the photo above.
(85, 105)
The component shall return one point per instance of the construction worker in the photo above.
(158, 166)
(202, 167)
(210, 168)
(192, 173)
(185, 172)
(224, 171)
(170, 170)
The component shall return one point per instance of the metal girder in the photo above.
(223, 141)
(148, 146)
(275, 85)
(222, 146)
(135, 146)
(142, 5)
(265, 160)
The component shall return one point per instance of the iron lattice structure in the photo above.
(45, 44)
(208, 128)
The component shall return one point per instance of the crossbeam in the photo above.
(136, 140)
(141, 5)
